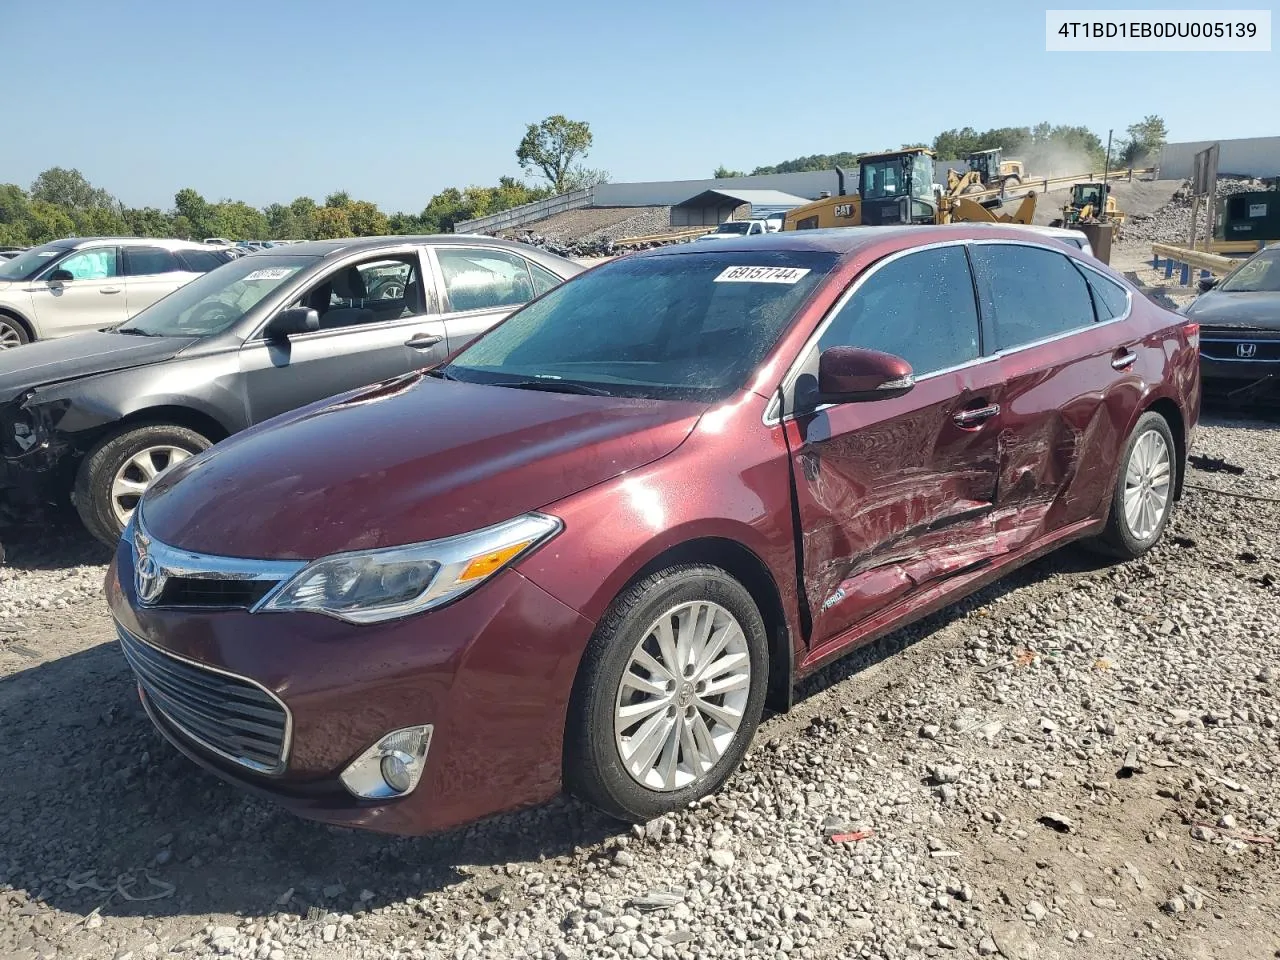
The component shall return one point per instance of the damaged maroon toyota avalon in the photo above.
(590, 549)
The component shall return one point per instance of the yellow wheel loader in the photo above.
(1086, 204)
(987, 171)
(898, 188)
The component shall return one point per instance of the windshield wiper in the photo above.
(553, 386)
(135, 332)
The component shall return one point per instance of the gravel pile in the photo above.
(1172, 222)
(1083, 760)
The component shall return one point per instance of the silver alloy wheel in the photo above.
(682, 696)
(1147, 485)
(138, 473)
(10, 336)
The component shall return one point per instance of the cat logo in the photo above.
(844, 210)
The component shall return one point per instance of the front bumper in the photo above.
(492, 672)
(1220, 378)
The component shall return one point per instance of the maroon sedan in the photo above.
(590, 549)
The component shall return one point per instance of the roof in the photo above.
(843, 240)
(163, 242)
(344, 245)
(757, 198)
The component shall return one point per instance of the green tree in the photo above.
(330, 223)
(70, 189)
(48, 221)
(197, 211)
(366, 219)
(236, 220)
(723, 173)
(148, 222)
(98, 222)
(1146, 139)
(551, 147)
(338, 199)
(182, 228)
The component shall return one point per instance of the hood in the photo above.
(408, 460)
(1255, 311)
(81, 355)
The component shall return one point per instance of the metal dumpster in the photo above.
(1100, 236)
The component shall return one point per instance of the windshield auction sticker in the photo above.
(270, 273)
(762, 274)
(1158, 31)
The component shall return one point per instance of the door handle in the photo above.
(108, 289)
(422, 341)
(976, 416)
(1124, 360)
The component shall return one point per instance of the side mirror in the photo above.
(1207, 284)
(61, 276)
(293, 320)
(852, 375)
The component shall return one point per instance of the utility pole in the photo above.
(1106, 173)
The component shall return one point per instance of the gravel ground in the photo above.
(1083, 760)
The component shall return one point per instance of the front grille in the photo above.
(231, 716)
(202, 592)
(1223, 344)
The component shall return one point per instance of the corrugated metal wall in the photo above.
(1253, 156)
(709, 216)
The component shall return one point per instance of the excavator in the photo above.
(899, 188)
(1086, 205)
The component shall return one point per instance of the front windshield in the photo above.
(734, 227)
(1261, 274)
(217, 300)
(1089, 195)
(680, 326)
(30, 262)
(882, 179)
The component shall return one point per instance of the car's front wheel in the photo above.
(113, 477)
(669, 694)
(1143, 497)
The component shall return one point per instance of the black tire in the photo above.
(1118, 539)
(593, 768)
(13, 332)
(97, 473)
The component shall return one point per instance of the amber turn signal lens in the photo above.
(485, 564)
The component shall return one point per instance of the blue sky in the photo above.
(397, 99)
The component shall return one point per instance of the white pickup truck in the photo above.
(738, 228)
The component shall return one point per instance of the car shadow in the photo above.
(102, 807)
(48, 538)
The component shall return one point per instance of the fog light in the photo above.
(392, 767)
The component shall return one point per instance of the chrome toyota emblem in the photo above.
(1246, 351)
(148, 576)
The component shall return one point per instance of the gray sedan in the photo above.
(99, 415)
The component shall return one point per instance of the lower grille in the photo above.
(202, 592)
(228, 715)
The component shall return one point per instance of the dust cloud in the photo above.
(1054, 160)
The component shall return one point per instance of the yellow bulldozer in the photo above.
(1087, 206)
(899, 188)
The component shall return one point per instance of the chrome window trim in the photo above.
(286, 741)
(199, 566)
(770, 416)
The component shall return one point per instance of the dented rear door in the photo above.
(895, 495)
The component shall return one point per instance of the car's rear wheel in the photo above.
(1143, 497)
(113, 477)
(12, 332)
(669, 694)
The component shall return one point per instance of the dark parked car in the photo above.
(591, 547)
(100, 414)
(1240, 329)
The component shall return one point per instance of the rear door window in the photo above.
(543, 280)
(1028, 294)
(919, 307)
(149, 261)
(1110, 300)
(480, 279)
(201, 261)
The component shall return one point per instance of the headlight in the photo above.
(369, 586)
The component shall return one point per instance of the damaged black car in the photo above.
(1239, 321)
(94, 418)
